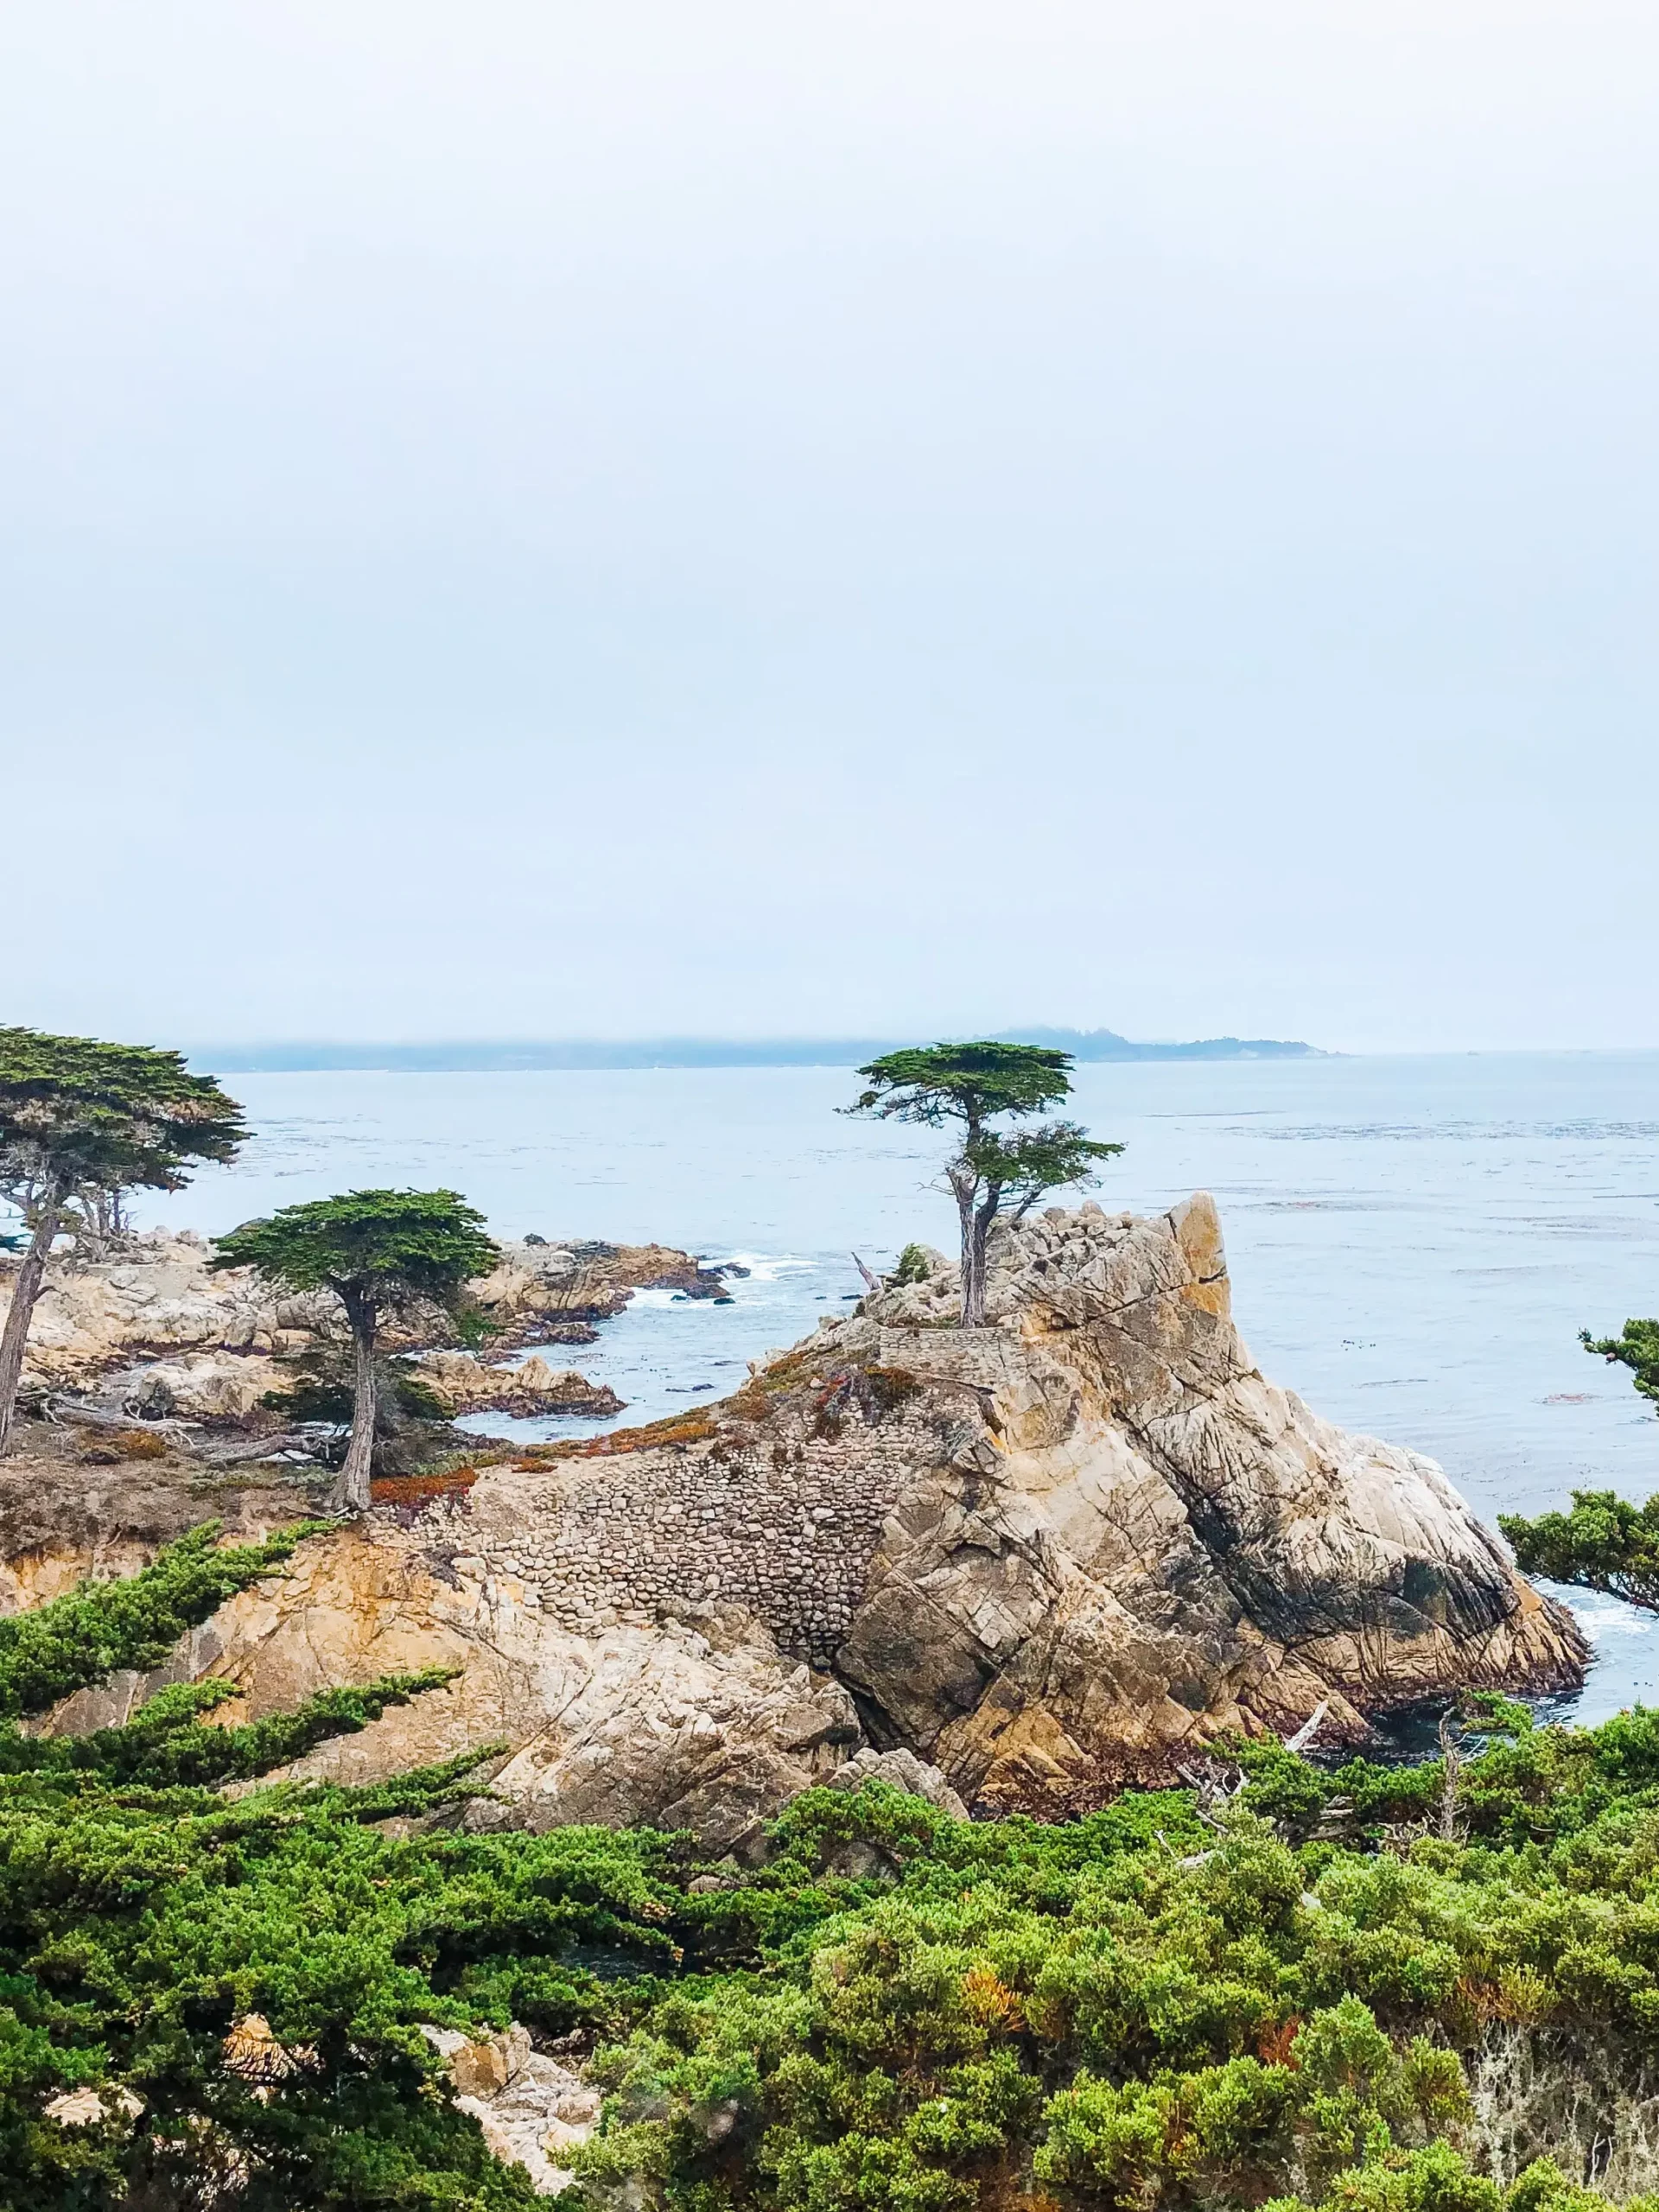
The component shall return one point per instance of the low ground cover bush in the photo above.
(1304, 1986)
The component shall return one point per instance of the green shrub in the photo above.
(1135, 2010)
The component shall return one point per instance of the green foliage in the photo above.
(376, 1250)
(1637, 1348)
(974, 1086)
(914, 1266)
(387, 1246)
(1435, 2179)
(141, 1914)
(77, 1112)
(80, 1638)
(324, 1388)
(475, 1328)
(1134, 2011)
(1604, 1543)
(971, 1084)
(894, 2009)
(1021, 1167)
(168, 1745)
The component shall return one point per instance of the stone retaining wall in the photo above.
(784, 1530)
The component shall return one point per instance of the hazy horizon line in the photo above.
(497, 1054)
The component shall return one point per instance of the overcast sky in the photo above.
(553, 520)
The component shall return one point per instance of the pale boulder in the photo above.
(468, 1385)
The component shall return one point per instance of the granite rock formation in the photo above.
(695, 1724)
(1135, 1540)
(539, 1286)
(465, 1385)
(1044, 1557)
(153, 1331)
(532, 2109)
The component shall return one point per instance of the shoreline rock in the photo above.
(150, 1331)
(467, 1385)
(540, 1287)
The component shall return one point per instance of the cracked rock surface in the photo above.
(532, 2110)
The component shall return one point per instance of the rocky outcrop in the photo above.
(153, 1328)
(532, 2109)
(899, 1770)
(1061, 1549)
(1041, 1557)
(699, 1723)
(466, 1385)
(217, 1385)
(155, 1295)
(1136, 1540)
(62, 1521)
(540, 1284)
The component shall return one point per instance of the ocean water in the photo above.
(1414, 1242)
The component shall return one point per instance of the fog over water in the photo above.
(1415, 1244)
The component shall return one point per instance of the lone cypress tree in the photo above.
(992, 1169)
(76, 1115)
(377, 1251)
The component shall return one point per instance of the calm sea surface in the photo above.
(1415, 1244)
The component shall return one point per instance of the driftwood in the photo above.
(872, 1283)
(82, 1415)
(183, 1436)
(1452, 1751)
(1309, 1729)
(242, 1448)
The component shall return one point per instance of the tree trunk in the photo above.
(352, 1491)
(24, 1292)
(964, 1188)
(979, 1233)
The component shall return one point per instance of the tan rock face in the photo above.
(704, 1727)
(1061, 1549)
(205, 1385)
(468, 1385)
(532, 2110)
(1141, 1540)
(157, 1295)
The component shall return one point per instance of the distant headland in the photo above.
(1084, 1045)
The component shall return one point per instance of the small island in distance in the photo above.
(1084, 1045)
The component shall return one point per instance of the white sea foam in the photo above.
(1611, 1616)
(765, 1266)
